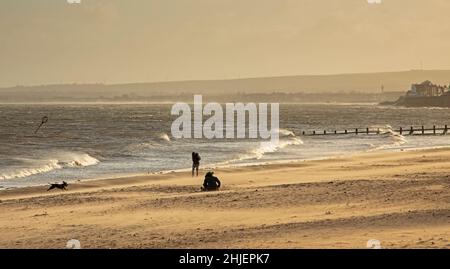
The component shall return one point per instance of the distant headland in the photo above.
(425, 94)
(362, 87)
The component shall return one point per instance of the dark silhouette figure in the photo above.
(211, 183)
(44, 120)
(195, 162)
(61, 186)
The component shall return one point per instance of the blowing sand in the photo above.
(401, 199)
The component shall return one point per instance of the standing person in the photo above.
(195, 162)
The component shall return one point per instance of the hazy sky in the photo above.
(111, 41)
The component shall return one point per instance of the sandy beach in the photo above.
(401, 199)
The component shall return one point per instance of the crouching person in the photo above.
(211, 183)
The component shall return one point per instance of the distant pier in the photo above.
(412, 130)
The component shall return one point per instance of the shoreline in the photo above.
(221, 165)
(214, 167)
(400, 198)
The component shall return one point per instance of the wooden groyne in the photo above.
(434, 130)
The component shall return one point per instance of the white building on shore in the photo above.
(427, 88)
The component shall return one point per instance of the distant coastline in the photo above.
(306, 88)
(280, 97)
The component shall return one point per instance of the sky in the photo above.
(121, 41)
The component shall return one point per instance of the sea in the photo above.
(86, 141)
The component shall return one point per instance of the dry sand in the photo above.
(401, 199)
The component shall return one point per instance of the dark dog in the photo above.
(61, 186)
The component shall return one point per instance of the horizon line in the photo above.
(216, 79)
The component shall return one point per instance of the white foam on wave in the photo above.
(286, 132)
(270, 147)
(62, 160)
(80, 160)
(287, 138)
(144, 147)
(164, 137)
(395, 138)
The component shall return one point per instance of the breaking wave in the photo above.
(63, 160)
(397, 138)
(287, 138)
(394, 137)
(164, 137)
(142, 148)
(285, 132)
(269, 147)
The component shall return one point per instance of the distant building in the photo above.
(427, 88)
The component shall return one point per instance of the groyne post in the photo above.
(357, 131)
